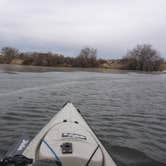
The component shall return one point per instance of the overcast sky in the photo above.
(66, 26)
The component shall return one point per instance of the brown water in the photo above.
(127, 110)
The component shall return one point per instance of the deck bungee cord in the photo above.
(57, 159)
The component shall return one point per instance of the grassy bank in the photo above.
(109, 64)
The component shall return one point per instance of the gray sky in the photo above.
(66, 26)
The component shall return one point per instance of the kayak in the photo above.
(67, 140)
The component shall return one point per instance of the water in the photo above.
(127, 110)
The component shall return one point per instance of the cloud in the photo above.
(111, 26)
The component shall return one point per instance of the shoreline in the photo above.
(33, 68)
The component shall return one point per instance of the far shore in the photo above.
(141, 58)
(10, 68)
(108, 65)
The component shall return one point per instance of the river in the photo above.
(127, 110)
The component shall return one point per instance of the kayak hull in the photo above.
(68, 128)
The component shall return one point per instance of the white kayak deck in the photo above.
(68, 120)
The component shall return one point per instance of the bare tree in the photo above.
(9, 53)
(143, 57)
(87, 58)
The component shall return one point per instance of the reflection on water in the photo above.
(126, 109)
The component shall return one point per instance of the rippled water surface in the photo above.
(127, 110)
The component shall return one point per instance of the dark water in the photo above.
(126, 110)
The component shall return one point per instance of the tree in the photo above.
(9, 53)
(87, 58)
(144, 58)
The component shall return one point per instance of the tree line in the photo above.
(86, 58)
(142, 57)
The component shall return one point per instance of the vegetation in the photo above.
(86, 58)
(143, 57)
(9, 54)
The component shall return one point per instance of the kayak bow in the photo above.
(67, 140)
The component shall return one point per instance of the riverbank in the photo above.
(29, 68)
(108, 65)
(13, 68)
(56, 62)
